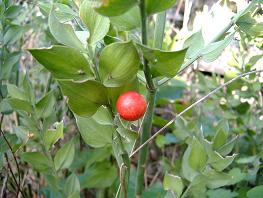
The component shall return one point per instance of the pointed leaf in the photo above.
(45, 105)
(63, 33)
(218, 162)
(228, 147)
(63, 62)
(65, 155)
(174, 183)
(97, 24)
(53, 135)
(164, 63)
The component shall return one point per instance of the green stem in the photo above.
(147, 123)
(146, 133)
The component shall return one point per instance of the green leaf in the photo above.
(103, 116)
(101, 175)
(13, 34)
(115, 7)
(188, 172)
(15, 92)
(84, 97)
(221, 193)
(213, 50)
(63, 12)
(9, 62)
(250, 25)
(38, 160)
(13, 11)
(228, 147)
(236, 176)
(155, 6)
(218, 162)
(219, 139)
(63, 33)
(97, 24)
(51, 136)
(216, 179)
(128, 21)
(45, 106)
(255, 192)
(65, 155)
(163, 63)
(129, 138)
(72, 186)
(11, 138)
(195, 43)
(174, 183)
(197, 156)
(63, 62)
(21, 105)
(115, 60)
(94, 133)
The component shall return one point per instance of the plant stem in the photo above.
(147, 123)
(146, 133)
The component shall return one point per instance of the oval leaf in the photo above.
(119, 63)
(94, 133)
(84, 97)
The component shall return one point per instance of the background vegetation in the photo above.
(213, 150)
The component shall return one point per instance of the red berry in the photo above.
(131, 106)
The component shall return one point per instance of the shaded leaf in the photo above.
(101, 175)
(155, 6)
(84, 97)
(115, 60)
(38, 160)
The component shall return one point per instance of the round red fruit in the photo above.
(131, 106)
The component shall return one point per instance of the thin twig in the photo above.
(193, 105)
(16, 162)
